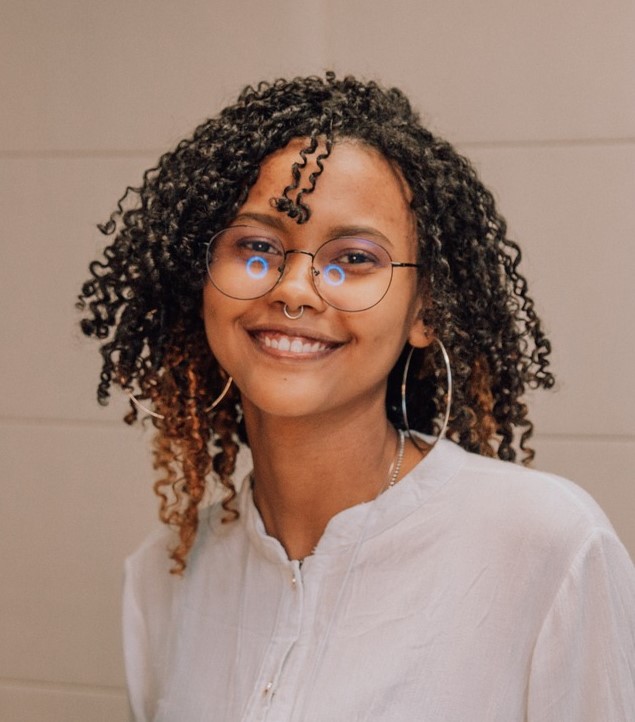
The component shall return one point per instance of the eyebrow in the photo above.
(359, 231)
(340, 231)
(264, 218)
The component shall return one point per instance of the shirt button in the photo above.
(267, 688)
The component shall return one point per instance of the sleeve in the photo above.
(149, 593)
(583, 665)
(136, 651)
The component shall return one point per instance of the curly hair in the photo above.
(143, 298)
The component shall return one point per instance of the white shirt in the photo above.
(473, 591)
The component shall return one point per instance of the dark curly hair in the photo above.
(143, 298)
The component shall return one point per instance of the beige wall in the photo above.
(540, 94)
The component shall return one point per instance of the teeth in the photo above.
(293, 345)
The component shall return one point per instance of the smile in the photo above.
(292, 344)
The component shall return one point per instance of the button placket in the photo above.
(287, 632)
(282, 706)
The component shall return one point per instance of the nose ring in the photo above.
(292, 317)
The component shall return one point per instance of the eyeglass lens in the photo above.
(351, 274)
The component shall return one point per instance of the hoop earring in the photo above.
(285, 310)
(448, 404)
(209, 408)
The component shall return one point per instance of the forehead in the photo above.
(357, 185)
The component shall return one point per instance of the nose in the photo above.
(296, 287)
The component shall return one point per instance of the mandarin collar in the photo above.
(369, 518)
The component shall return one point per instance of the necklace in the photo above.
(395, 467)
(393, 474)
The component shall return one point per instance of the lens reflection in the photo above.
(261, 267)
(334, 275)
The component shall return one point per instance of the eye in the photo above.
(261, 246)
(352, 255)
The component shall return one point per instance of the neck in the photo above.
(308, 470)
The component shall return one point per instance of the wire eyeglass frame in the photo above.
(315, 272)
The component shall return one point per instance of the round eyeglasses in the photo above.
(350, 274)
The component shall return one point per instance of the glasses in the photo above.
(350, 274)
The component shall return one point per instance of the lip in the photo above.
(293, 342)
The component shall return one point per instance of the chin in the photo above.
(287, 408)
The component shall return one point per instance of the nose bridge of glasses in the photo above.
(299, 252)
(296, 281)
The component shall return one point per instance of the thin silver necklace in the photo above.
(393, 476)
(395, 467)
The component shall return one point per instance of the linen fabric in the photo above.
(474, 589)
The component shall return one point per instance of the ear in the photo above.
(419, 335)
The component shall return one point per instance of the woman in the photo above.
(316, 275)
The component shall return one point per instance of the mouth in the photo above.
(280, 343)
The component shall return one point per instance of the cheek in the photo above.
(388, 330)
(207, 313)
(398, 310)
(215, 320)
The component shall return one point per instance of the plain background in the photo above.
(539, 95)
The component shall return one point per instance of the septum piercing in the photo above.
(290, 316)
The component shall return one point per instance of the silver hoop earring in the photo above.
(209, 408)
(448, 403)
(285, 310)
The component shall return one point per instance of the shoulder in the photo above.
(531, 497)
(151, 604)
(505, 510)
(526, 536)
(153, 599)
(148, 583)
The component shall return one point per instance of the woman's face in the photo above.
(340, 361)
